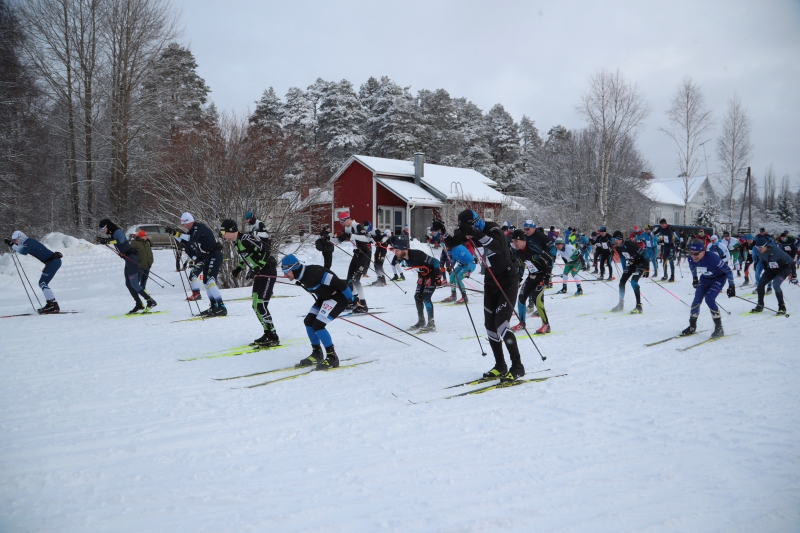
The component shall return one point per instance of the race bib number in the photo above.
(531, 267)
(773, 264)
(663, 238)
(327, 308)
(604, 246)
(626, 255)
(787, 248)
(701, 270)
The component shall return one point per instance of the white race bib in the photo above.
(626, 255)
(773, 264)
(327, 307)
(787, 248)
(604, 245)
(531, 267)
(701, 270)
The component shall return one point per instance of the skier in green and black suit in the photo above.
(255, 253)
(637, 265)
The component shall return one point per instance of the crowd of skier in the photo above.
(517, 265)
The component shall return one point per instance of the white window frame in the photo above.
(488, 214)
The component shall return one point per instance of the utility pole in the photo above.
(749, 202)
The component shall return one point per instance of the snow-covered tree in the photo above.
(438, 134)
(709, 214)
(269, 112)
(472, 136)
(785, 210)
(503, 146)
(394, 126)
(341, 117)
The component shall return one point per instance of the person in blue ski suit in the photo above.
(331, 295)
(204, 247)
(463, 264)
(777, 267)
(758, 266)
(650, 247)
(24, 245)
(117, 237)
(709, 273)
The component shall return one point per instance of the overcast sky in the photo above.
(534, 57)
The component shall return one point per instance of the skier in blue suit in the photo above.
(117, 237)
(709, 273)
(24, 245)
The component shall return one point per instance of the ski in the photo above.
(138, 314)
(34, 314)
(576, 295)
(275, 371)
(712, 339)
(250, 298)
(675, 337)
(485, 380)
(236, 351)
(362, 314)
(750, 313)
(194, 318)
(501, 385)
(301, 374)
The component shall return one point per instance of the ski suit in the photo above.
(711, 272)
(637, 266)
(463, 264)
(572, 264)
(428, 279)
(203, 246)
(51, 260)
(777, 266)
(538, 264)
(255, 253)
(603, 245)
(359, 264)
(650, 249)
(324, 245)
(667, 238)
(790, 247)
(331, 295)
(131, 257)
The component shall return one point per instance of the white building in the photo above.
(668, 197)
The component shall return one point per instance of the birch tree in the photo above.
(734, 150)
(689, 122)
(614, 108)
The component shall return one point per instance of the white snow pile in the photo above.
(118, 425)
(58, 242)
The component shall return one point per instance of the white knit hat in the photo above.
(186, 218)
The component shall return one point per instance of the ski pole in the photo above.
(181, 275)
(764, 306)
(404, 331)
(513, 309)
(370, 268)
(136, 263)
(28, 280)
(483, 353)
(372, 330)
(720, 306)
(13, 258)
(657, 283)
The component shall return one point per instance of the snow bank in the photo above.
(58, 242)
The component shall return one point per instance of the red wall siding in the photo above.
(353, 189)
(385, 197)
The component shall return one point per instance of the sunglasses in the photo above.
(696, 253)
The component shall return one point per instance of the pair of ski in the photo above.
(239, 350)
(198, 317)
(293, 376)
(34, 314)
(133, 315)
(687, 348)
(493, 386)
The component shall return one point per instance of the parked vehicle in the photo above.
(156, 233)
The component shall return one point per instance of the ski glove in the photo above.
(236, 271)
(250, 274)
(8, 242)
(695, 282)
(343, 236)
(731, 291)
(646, 274)
(793, 281)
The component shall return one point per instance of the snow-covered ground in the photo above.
(103, 429)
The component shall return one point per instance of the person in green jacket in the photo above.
(145, 249)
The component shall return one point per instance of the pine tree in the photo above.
(709, 214)
(393, 126)
(785, 211)
(176, 89)
(439, 118)
(268, 114)
(341, 117)
(503, 146)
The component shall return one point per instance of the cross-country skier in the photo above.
(131, 259)
(777, 266)
(427, 269)
(144, 249)
(538, 263)
(747, 245)
(255, 253)
(463, 264)
(788, 244)
(24, 245)
(709, 273)
(667, 237)
(650, 247)
(572, 265)
(324, 245)
(541, 244)
(381, 241)
(502, 284)
(604, 243)
(204, 247)
(719, 248)
(359, 264)
(256, 227)
(331, 295)
(638, 266)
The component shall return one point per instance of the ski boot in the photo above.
(513, 374)
(463, 300)
(150, 305)
(313, 359)
(402, 278)
(210, 311)
(380, 282)
(758, 308)
(331, 361)
(548, 286)
(267, 340)
(781, 310)
(594, 271)
(220, 310)
(449, 299)
(738, 274)
(394, 278)
(610, 276)
(718, 331)
(746, 281)
(637, 310)
(544, 329)
(518, 327)
(664, 277)
(138, 307)
(195, 296)
(619, 307)
(51, 308)
(563, 290)
(420, 324)
(535, 314)
(579, 291)
(769, 290)
(430, 326)
(495, 373)
(692, 327)
(361, 308)
(671, 279)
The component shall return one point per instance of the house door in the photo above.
(391, 218)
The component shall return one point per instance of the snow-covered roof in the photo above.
(443, 181)
(409, 192)
(671, 191)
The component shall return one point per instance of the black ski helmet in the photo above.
(228, 226)
(618, 235)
